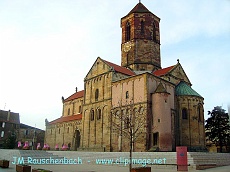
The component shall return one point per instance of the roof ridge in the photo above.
(120, 69)
(66, 118)
(163, 71)
(72, 95)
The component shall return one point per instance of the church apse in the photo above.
(191, 117)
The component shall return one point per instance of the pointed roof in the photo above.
(139, 8)
(183, 89)
(163, 71)
(161, 89)
(120, 69)
(76, 95)
(66, 119)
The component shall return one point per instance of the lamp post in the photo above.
(33, 138)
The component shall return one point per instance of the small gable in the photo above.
(161, 89)
(101, 66)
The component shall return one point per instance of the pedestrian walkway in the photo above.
(105, 168)
(110, 161)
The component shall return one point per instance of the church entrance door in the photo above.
(77, 139)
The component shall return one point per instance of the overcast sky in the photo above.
(48, 46)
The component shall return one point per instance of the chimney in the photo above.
(62, 98)
(8, 116)
(76, 89)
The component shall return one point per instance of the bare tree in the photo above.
(131, 122)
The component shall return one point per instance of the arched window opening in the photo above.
(199, 112)
(73, 107)
(99, 114)
(155, 138)
(127, 35)
(96, 94)
(92, 115)
(127, 95)
(79, 110)
(154, 32)
(142, 27)
(69, 111)
(184, 114)
(68, 130)
(59, 131)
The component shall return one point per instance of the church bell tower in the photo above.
(140, 47)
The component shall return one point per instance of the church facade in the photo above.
(137, 102)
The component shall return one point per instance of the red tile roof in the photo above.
(66, 119)
(163, 71)
(76, 95)
(120, 69)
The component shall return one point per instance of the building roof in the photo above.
(115, 67)
(66, 119)
(24, 126)
(120, 69)
(76, 95)
(8, 116)
(139, 8)
(163, 71)
(183, 89)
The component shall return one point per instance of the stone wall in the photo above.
(63, 133)
(144, 40)
(192, 125)
(96, 108)
(73, 107)
(129, 98)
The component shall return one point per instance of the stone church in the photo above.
(137, 102)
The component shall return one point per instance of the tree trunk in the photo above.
(130, 151)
